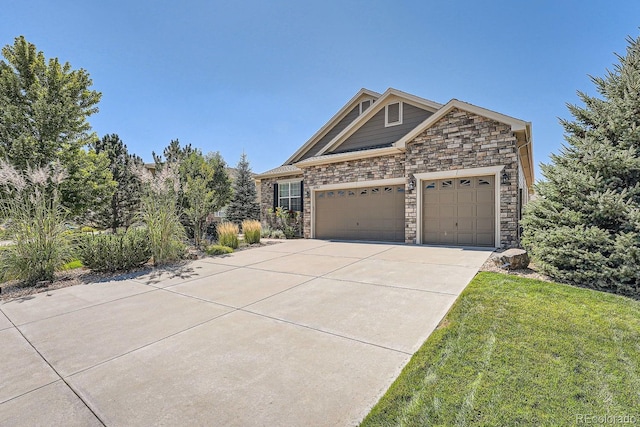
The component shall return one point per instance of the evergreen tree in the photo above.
(584, 225)
(244, 204)
(125, 201)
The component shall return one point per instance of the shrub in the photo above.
(228, 234)
(115, 252)
(218, 250)
(87, 229)
(32, 202)
(251, 230)
(289, 222)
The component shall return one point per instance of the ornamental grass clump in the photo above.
(228, 234)
(30, 203)
(159, 212)
(252, 231)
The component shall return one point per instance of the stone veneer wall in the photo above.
(382, 167)
(462, 140)
(266, 193)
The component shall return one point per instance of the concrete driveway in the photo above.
(305, 332)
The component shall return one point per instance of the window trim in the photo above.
(360, 110)
(386, 114)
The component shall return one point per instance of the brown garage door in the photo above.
(459, 211)
(371, 213)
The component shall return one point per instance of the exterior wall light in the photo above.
(505, 178)
(411, 183)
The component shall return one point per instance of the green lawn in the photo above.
(515, 352)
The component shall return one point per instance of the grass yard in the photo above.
(515, 351)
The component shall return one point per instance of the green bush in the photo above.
(115, 252)
(251, 230)
(87, 229)
(218, 250)
(228, 234)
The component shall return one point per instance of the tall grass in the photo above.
(252, 231)
(30, 203)
(228, 234)
(160, 213)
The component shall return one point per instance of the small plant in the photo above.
(266, 232)
(87, 229)
(72, 265)
(228, 234)
(218, 250)
(277, 234)
(251, 230)
(115, 252)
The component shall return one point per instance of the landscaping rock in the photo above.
(512, 259)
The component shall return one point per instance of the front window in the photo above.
(289, 196)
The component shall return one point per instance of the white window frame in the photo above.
(386, 114)
(360, 110)
(289, 182)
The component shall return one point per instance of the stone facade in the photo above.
(462, 140)
(369, 169)
(459, 140)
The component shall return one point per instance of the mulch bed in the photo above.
(82, 276)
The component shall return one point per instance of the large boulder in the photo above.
(512, 259)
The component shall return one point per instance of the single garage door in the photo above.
(459, 211)
(371, 213)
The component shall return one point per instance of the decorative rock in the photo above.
(512, 259)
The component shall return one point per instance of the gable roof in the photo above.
(389, 95)
(350, 105)
(327, 154)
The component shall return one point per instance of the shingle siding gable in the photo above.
(339, 127)
(374, 134)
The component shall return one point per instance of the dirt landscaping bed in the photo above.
(82, 276)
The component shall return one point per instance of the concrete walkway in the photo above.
(304, 332)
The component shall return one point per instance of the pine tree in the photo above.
(584, 225)
(244, 204)
(125, 201)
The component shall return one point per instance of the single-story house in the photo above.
(400, 168)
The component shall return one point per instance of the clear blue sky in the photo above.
(263, 76)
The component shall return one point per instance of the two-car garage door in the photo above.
(365, 213)
(455, 211)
